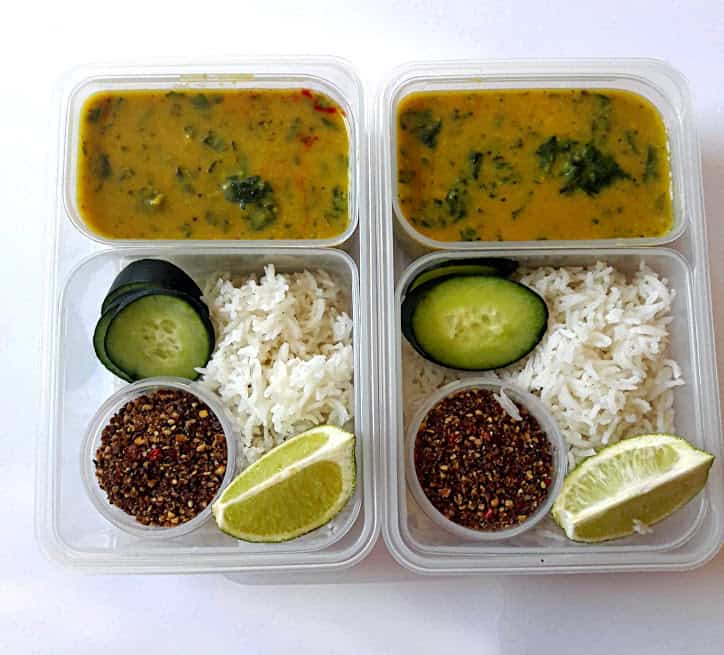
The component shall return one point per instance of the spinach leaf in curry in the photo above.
(475, 161)
(590, 170)
(582, 166)
(255, 195)
(456, 200)
(338, 207)
(101, 166)
(423, 125)
(651, 171)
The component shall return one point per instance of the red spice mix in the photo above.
(162, 457)
(478, 466)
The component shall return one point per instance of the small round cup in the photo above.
(92, 440)
(537, 409)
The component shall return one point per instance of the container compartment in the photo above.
(329, 76)
(661, 85)
(72, 530)
(548, 425)
(690, 534)
(92, 442)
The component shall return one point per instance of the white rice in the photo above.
(283, 361)
(510, 408)
(602, 366)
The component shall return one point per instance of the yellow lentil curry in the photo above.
(232, 164)
(514, 165)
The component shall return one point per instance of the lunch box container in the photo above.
(81, 268)
(92, 441)
(375, 260)
(693, 534)
(537, 410)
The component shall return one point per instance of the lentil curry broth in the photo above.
(222, 164)
(517, 165)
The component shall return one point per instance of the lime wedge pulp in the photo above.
(298, 486)
(635, 482)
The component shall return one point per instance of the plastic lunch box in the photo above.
(374, 258)
(688, 538)
(83, 265)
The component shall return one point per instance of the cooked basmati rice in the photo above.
(602, 366)
(283, 361)
(510, 408)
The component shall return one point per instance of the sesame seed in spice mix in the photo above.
(480, 467)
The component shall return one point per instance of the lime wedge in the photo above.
(294, 488)
(629, 486)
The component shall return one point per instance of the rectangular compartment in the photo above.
(329, 76)
(72, 530)
(660, 84)
(690, 533)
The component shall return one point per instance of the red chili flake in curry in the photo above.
(320, 104)
(478, 466)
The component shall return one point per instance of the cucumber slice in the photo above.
(156, 332)
(498, 266)
(114, 298)
(99, 345)
(474, 323)
(150, 274)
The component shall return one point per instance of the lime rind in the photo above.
(640, 480)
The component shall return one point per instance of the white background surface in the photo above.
(44, 609)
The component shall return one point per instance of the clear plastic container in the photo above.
(660, 84)
(329, 76)
(690, 537)
(80, 270)
(537, 409)
(92, 441)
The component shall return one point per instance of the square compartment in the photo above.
(69, 527)
(687, 538)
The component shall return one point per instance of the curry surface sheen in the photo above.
(514, 165)
(231, 164)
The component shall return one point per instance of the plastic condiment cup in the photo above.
(92, 441)
(549, 426)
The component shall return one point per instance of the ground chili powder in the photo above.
(479, 467)
(162, 457)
